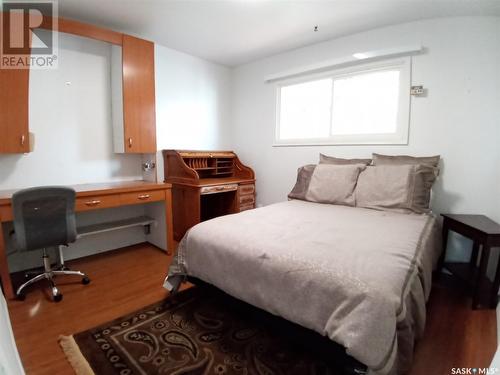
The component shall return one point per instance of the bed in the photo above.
(359, 276)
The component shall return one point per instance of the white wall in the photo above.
(192, 101)
(459, 119)
(495, 362)
(10, 363)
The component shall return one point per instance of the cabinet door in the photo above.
(14, 91)
(139, 120)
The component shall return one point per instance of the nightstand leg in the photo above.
(496, 285)
(443, 250)
(474, 255)
(481, 275)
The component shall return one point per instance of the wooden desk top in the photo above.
(480, 223)
(104, 188)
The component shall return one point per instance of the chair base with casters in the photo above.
(48, 274)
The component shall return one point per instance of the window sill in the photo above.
(315, 144)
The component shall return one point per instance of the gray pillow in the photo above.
(333, 184)
(303, 179)
(400, 188)
(379, 159)
(325, 159)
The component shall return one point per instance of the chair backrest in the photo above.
(44, 216)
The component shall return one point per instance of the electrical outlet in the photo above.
(417, 90)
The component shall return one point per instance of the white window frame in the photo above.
(400, 137)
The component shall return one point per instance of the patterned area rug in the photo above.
(202, 331)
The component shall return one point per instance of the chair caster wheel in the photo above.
(58, 298)
(85, 280)
(21, 297)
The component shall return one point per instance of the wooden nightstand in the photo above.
(482, 231)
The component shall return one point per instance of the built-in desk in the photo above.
(95, 197)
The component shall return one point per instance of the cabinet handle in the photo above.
(23, 138)
(130, 143)
(144, 196)
(94, 202)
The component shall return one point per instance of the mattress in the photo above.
(359, 276)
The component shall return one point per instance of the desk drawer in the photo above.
(97, 202)
(247, 199)
(142, 197)
(247, 189)
(218, 189)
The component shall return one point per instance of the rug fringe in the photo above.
(75, 356)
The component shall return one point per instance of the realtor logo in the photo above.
(29, 39)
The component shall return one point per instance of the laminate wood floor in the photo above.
(128, 279)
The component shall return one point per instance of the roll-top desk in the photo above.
(206, 184)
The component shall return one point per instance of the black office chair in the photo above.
(45, 217)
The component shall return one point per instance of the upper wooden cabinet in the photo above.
(139, 119)
(135, 100)
(14, 91)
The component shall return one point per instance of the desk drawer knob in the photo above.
(144, 197)
(94, 202)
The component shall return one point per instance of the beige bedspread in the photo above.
(359, 276)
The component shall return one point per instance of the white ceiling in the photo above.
(237, 32)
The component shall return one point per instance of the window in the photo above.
(365, 105)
